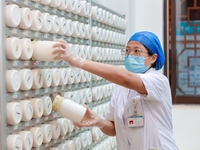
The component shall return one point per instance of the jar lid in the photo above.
(57, 103)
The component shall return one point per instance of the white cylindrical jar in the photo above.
(37, 20)
(26, 79)
(27, 139)
(42, 50)
(27, 110)
(13, 80)
(37, 78)
(13, 141)
(27, 48)
(47, 133)
(13, 15)
(46, 22)
(71, 6)
(69, 109)
(13, 113)
(26, 19)
(13, 48)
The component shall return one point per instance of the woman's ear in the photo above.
(154, 58)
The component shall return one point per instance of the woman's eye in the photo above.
(137, 51)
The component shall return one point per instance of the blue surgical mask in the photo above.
(135, 64)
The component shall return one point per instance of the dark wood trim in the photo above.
(166, 37)
(173, 50)
(187, 100)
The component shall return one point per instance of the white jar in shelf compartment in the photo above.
(77, 142)
(37, 20)
(82, 96)
(13, 80)
(13, 15)
(62, 146)
(70, 27)
(100, 34)
(69, 95)
(77, 97)
(101, 15)
(27, 48)
(89, 14)
(45, 2)
(27, 110)
(63, 76)
(76, 27)
(63, 26)
(71, 6)
(70, 144)
(13, 113)
(95, 12)
(27, 139)
(89, 137)
(101, 55)
(84, 140)
(95, 53)
(88, 77)
(46, 22)
(37, 78)
(63, 126)
(88, 95)
(82, 30)
(71, 76)
(47, 105)
(37, 136)
(47, 133)
(95, 134)
(14, 142)
(26, 19)
(89, 52)
(77, 49)
(55, 128)
(26, 79)
(77, 9)
(55, 76)
(83, 49)
(13, 48)
(83, 74)
(63, 4)
(108, 18)
(77, 76)
(88, 31)
(95, 93)
(55, 24)
(84, 9)
(47, 78)
(55, 3)
(105, 18)
(70, 126)
(95, 33)
(37, 107)
(42, 50)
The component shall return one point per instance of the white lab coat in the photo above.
(156, 109)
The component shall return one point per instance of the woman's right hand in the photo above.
(91, 119)
(63, 52)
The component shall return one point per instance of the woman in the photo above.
(140, 110)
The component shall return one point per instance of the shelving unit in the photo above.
(104, 50)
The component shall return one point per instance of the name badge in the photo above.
(135, 121)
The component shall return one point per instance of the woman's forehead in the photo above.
(136, 44)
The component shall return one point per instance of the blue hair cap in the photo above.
(150, 41)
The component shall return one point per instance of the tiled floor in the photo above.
(186, 122)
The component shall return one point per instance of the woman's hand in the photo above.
(63, 52)
(91, 119)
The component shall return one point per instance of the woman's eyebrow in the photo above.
(133, 47)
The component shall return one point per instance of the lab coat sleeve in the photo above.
(157, 86)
